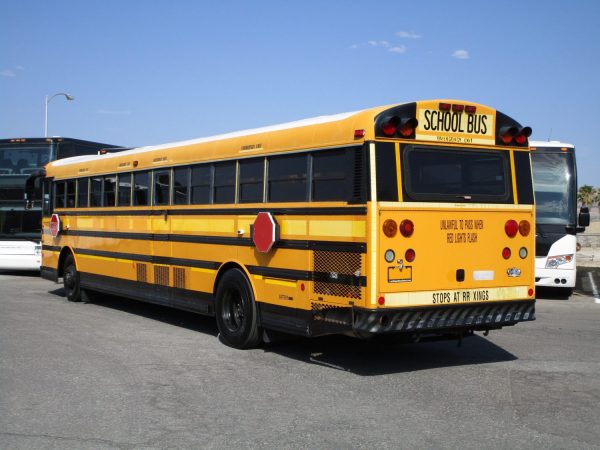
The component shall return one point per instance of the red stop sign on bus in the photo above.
(264, 233)
(54, 225)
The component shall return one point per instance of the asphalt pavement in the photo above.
(117, 374)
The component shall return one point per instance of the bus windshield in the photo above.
(554, 181)
(22, 160)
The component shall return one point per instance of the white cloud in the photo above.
(461, 54)
(7, 73)
(408, 35)
(379, 43)
(397, 49)
(113, 112)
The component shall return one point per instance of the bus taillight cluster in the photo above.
(512, 134)
(400, 126)
(390, 229)
(512, 228)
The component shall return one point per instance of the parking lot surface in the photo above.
(117, 374)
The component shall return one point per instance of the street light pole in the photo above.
(67, 96)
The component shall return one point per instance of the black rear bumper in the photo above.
(426, 320)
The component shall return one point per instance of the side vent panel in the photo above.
(179, 277)
(141, 272)
(161, 275)
(337, 274)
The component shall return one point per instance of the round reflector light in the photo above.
(381, 300)
(506, 252)
(524, 227)
(530, 292)
(390, 228)
(523, 252)
(407, 228)
(389, 255)
(410, 255)
(511, 227)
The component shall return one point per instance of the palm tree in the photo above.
(586, 195)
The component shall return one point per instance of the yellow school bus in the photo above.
(412, 219)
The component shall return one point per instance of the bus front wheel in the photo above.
(71, 280)
(236, 311)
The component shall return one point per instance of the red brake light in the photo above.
(506, 252)
(410, 255)
(359, 133)
(458, 108)
(470, 109)
(407, 228)
(390, 127)
(445, 106)
(511, 227)
(408, 127)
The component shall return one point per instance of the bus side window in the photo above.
(181, 182)
(251, 180)
(161, 187)
(201, 181)
(47, 209)
(96, 192)
(286, 181)
(59, 197)
(141, 188)
(82, 192)
(110, 186)
(330, 173)
(70, 194)
(124, 196)
(224, 182)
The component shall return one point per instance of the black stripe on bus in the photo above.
(52, 248)
(185, 299)
(317, 211)
(288, 274)
(332, 246)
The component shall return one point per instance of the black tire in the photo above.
(236, 311)
(71, 280)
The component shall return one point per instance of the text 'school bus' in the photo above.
(20, 228)
(414, 219)
(557, 222)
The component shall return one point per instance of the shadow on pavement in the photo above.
(550, 293)
(171, 316)
(361, 357)
(21, 273)
(379, 357)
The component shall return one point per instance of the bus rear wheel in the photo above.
(236, 311)
(71, 280)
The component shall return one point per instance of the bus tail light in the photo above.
(470, 109)
(458, 108)
(410, 255)
(390, 127)
(445, 106)
(522, 135)
(408, 126)
(524, 227)
(407, 228)
(507, 134)
(511, 227)
(390, 228)
(506, 252)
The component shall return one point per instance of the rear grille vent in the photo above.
(179, 277)
(338, 274)
(161, 275)
(141, 272)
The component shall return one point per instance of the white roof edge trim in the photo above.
(283, 126)
(556, 144)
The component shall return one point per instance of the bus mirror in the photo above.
(584, 217)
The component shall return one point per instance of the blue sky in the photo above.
(150, 72)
